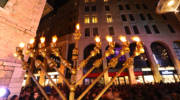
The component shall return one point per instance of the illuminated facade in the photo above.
(159, 33)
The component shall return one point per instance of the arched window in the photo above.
(140, 61)
(161, 54)
(89, 65)
(122, 59)
(176, 46)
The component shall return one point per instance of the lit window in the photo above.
(3, 3)
(94, 19)
(86, 19)
(106, 0)
(93, 0)
(109, 19)
(86, 1)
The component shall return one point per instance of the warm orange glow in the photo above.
(109, 38)
(123, 38)
(15, 54)
(31, 41)
(136, 38)
(77, 26)
(42, 39)
(54, 39)
(97, 39)
(142, 50)
(21, 45)
(170, 3)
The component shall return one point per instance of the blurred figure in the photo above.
(35, 96)
(14, 97)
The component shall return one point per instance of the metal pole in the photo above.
(39, 86)
(59, 92)
(84, 76)
(94, 82)
(62, 76)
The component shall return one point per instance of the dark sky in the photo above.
(56, 3)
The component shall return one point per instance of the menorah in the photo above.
(45, 52)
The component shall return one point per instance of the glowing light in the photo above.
(97, 39)
(109, 38)
(42, 39)
(54, 39)
(170, 3)
(135, 38)
(15, 54)
(2, 92)
(142, 50)
(21, 45)
(31, 41)
(123, 38)
(77, 26)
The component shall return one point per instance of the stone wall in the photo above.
(19, 20)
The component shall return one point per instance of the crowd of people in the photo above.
(158, 91)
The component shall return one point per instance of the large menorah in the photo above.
(45, 52)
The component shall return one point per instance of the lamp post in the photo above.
(45, 51)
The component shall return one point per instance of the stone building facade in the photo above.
(159, 34)
(19, 20)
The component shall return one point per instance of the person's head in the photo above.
(36, 95)
(14, 97)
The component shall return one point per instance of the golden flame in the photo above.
(32, 41)
(97, 39)
(109, 38)
(21, 45)
(42, 39)
(136, 38)
(15, 54)
(54, 39)
(123, 38)
(77, 26)
(170, 3)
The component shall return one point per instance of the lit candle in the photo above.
(109, 39)
(136, 39)
(123, 39)
(32, 41)
(77, 27)
(54, 39)
(42, 39)
(21, 45)
(97, 39)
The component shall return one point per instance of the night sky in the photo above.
(56, 3)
